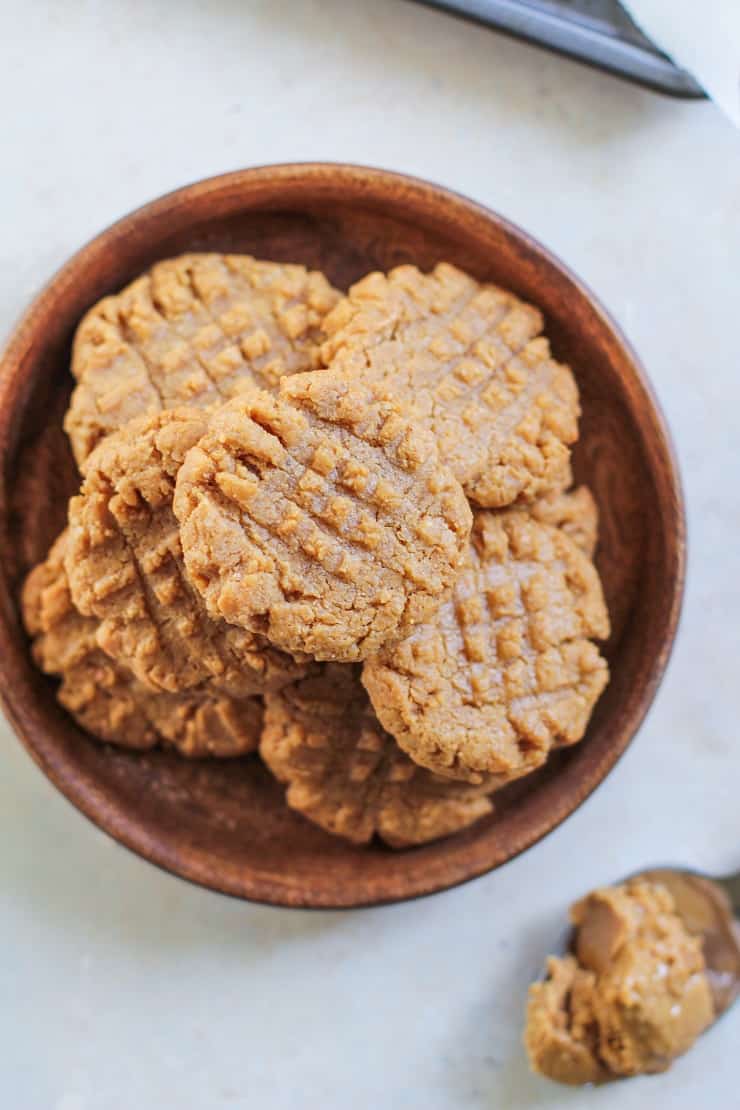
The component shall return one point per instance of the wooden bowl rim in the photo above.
(363, 183)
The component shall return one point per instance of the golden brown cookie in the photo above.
(506, 669)
(344, 773)
(105, 699)
(192, 330)
(125, 567)
(469, 359)
(575, 512)
(321, 518)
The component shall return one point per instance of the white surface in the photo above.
(121, 987)
(703, 38)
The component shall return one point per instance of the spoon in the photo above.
(709, 908)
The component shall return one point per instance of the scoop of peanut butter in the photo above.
(633, 996)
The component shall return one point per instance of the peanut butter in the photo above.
(632, 997)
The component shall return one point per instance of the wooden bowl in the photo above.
(225, 825)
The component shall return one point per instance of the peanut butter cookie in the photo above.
(321, 518)
(105, 698)
(344, 773)
(574, 512)
(125, 567)
(192, 331)
(506, 669)
(469, 360)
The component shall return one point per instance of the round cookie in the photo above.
(469, 359)
(192, 330)
(344, 773)
(321, 518)
(506, 669)
(125, 567)
(106, 700)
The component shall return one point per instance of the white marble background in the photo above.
(121, 987)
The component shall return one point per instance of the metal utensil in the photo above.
(598, 32)
(709, 908)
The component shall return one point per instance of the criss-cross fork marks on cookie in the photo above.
(193, 330)
(125, 567)
(105, 698)
(321, 518)
(274, 538)
(506, 669)
(469, 360)
(343, 772)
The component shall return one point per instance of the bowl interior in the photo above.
(225, 824)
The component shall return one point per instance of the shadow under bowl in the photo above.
(224, 824)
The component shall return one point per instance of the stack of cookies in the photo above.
(336, 530)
